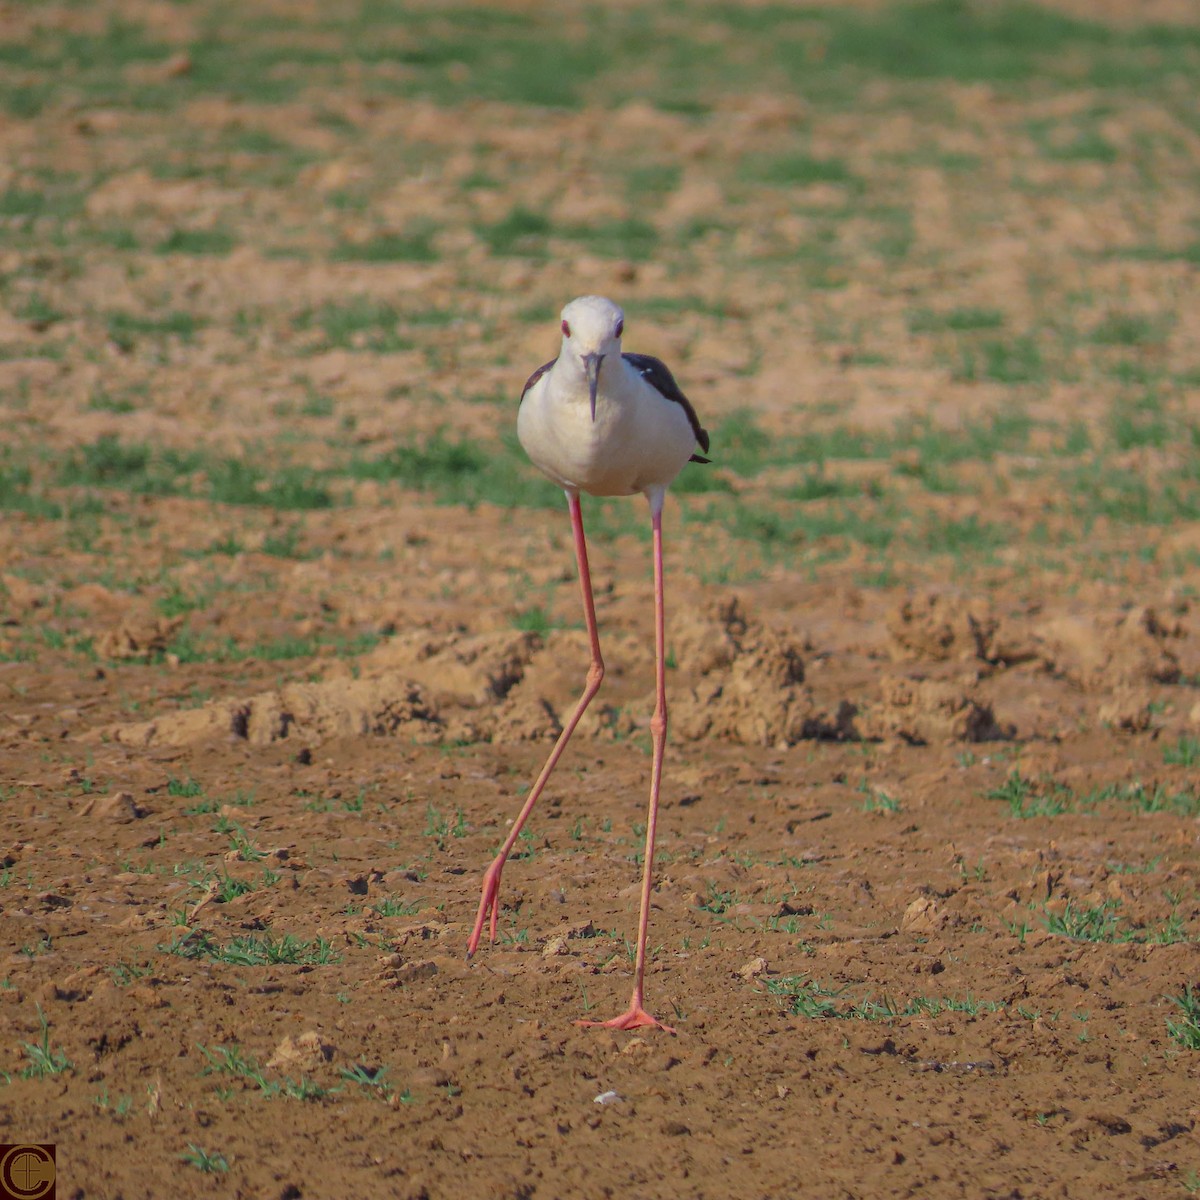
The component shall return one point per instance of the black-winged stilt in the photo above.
(600, 421)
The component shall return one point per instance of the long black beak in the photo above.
(591, 363)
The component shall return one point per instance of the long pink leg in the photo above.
(488, 901)
(636, 1016)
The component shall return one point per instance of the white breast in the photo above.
(639, 438)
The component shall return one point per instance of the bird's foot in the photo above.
(489, 905)
(635, 1018)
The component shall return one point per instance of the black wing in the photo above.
(536, 376)
(658, 375)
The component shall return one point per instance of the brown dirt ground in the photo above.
(833, 744)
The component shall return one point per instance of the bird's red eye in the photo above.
(620, 328)
(566, 330)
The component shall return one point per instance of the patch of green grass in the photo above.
(130, 466)
(20, 493)
(717, 901)
(373, 1079)
(509, 57)
(415, 246)
(744, 444)
(1154, 252)
(1142, 372)
(818, 484)
(1098, 923)
(1088, 145)
(249, 157)
(119, 1110)
(892, 240)
(441, 828)
(1138, 424)
(629, 237)
(254, 951)
(952, 39)
(189, 648)
(349, 200)
(239, 481)
(878, 801)
(1170, 933)
(521, 232)
(48, 207)
(524, 232)
(285, 648)
(175, 601)
(250, 140)
(359, 323)
(149, 470)
(317, 404)
(1102, 923)
(24, 101)
(21, 202)
(806, 997)
(959, 320)
(44, 1061)
(1143, 868)
(741, 446)
(228, 545)
(113, 237)
(231, 1060)
(1101, 489)
(645, 180)
(1187, 1030)
(44, 348)
(117, 45)
(528, 58)
(39, 312)
(932, 476)
(821, 258)
(126, 328)
(239, 67)
(880, 577)
(389, 907)
(244, 848)
(227, 888)
(965, 1004)
(1185, 752)
(778, 531)
(961, 537)
(534, 619)
(1126, 329)
(1018, 360)
(284, 543)
(1077, 141)
(1184, 803)
(205, 1161)
(459, 471)
(102, 400)
(197, 242)
(699, 480)
(1027, 799)
(125, 973)
(795, 170)
(820, 445)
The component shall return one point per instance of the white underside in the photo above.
(638, 442)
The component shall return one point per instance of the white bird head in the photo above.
(591, 329)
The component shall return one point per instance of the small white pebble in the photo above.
(607, 1098)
